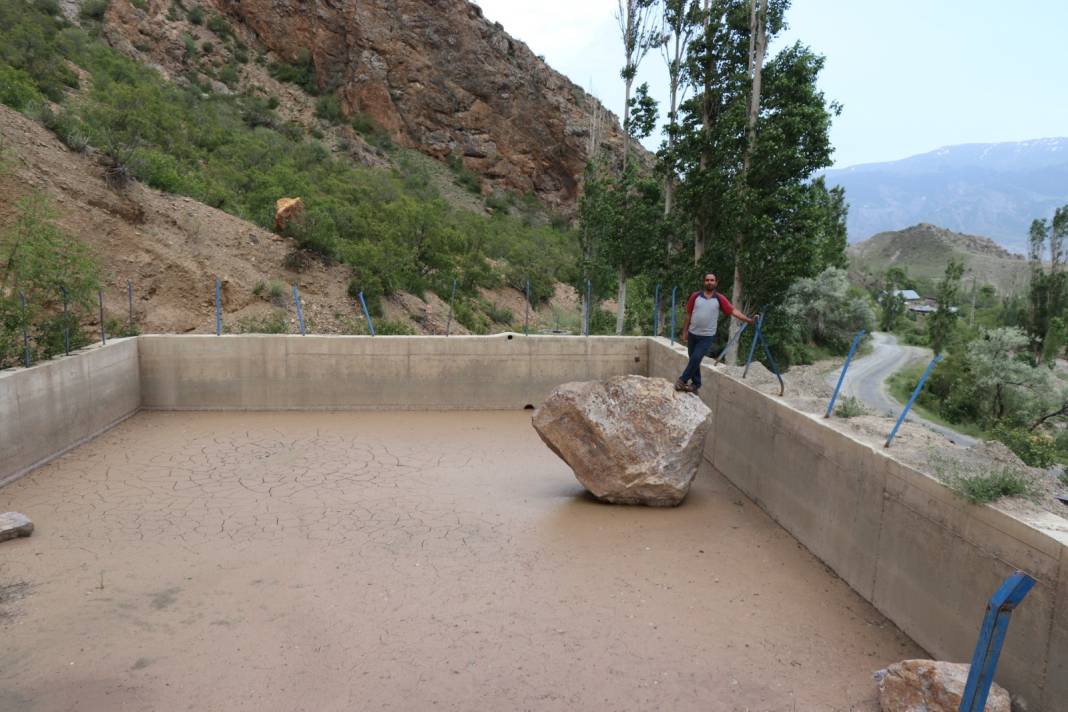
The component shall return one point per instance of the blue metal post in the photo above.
(991, 638)
(589, 307)
(448, 324)
(915, 393)
(656, 312)
(300, 309)
(752, 346)
(673, 291)
(845, 367)
(218, 308)
(66, 323)
(25, 332)
(367, 315)
(129, 301)
(103, 335)
(526, 312)
(731, 341)
(771, 362)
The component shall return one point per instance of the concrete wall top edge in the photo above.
(51, 363)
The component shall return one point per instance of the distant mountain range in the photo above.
(990, 189)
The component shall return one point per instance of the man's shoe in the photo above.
(680, 386)
(690, 388)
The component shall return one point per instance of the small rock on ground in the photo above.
(13, 525)
(931, 686)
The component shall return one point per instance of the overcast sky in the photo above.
(912, 75)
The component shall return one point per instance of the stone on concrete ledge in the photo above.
(931, 686)
(629, 440)
(13, 525)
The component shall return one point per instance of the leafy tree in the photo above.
(681, 18)
(39, 261)
(760, 220)
(643, 113)
(1012, 383)
(1049, 285)
(825, 311)
(637, 31)
(940, 325)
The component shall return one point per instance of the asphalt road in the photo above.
(866, 381)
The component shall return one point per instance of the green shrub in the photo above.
(498, 202)
(93, 10)
(301, 71)
(990, 485)
(48, 7)
(241, 55)
(229, 75)
(120, 328)
(196, 15)
(207, 47)
(219, 25)
(464, 175)
(141, 5)
(328, 108)
(190, 44)
(1035, 448)
(17, 88)
(499, 315)
(391, 327)
(850, 407)
(39, 257)
(274, 322)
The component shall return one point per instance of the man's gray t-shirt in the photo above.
(705, 315)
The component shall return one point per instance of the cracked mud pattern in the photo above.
(405, 561)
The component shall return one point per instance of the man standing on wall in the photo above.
(699, 329)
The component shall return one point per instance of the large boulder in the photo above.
(931, 686)
(286, 210)
(14, 525)
(630, 440)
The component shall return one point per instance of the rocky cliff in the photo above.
(435, 74)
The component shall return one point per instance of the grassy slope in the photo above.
(925, 254)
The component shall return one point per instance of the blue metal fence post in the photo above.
(25, 332)
(129, 301)
(367, 315)
(66, 322)
(218, 308)
(731, 341)
(771, 362)
(656, 312)
(300, 309)
(673, 291)
(526, 312)
(752, 346)
(845, 367)
(991, 639)
(452, 298)
(589, 308)
(915, 394)
(103, 335)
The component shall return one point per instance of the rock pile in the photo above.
(931, 686)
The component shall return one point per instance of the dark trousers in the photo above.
(698, 347)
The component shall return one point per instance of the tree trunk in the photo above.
(758, 41)
(622, 299)
(626, 120)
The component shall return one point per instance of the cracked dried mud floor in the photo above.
(405, 561)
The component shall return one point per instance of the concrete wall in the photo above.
(51, 407)
(925, 558)
(256, 372)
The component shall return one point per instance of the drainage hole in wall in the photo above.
(509, 337)
(528, 406)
